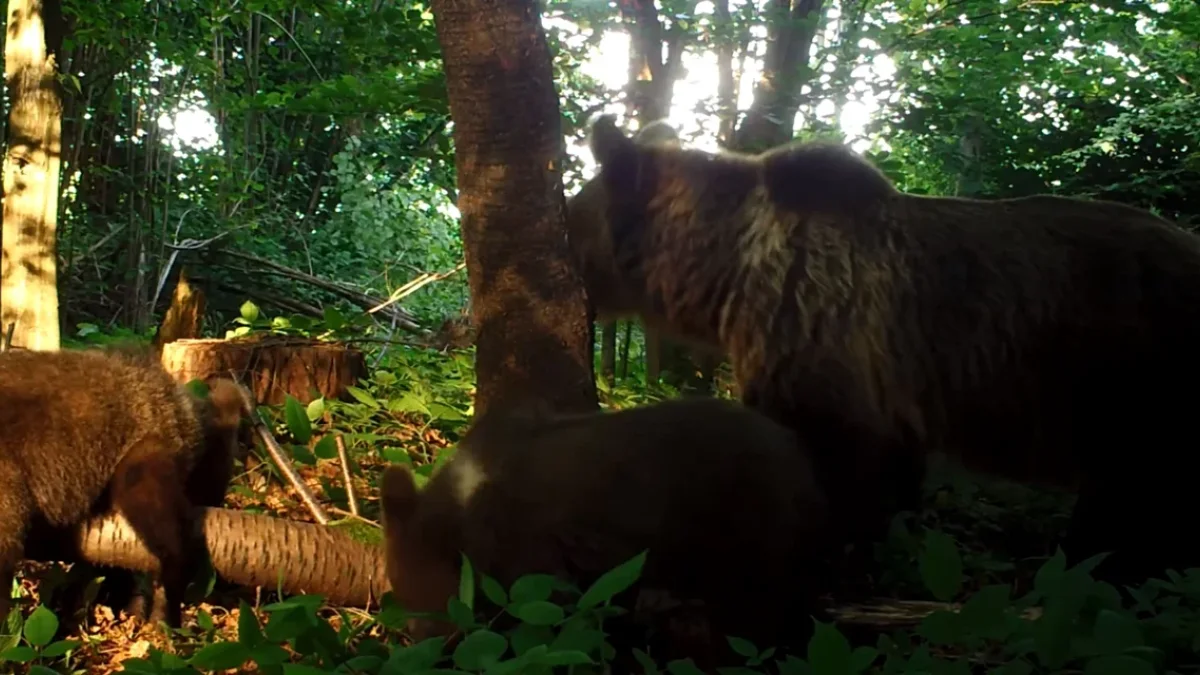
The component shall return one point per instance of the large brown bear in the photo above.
(719, 494)
(1042, 338)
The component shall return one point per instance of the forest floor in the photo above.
(1005, 533)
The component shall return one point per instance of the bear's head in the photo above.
(422, 566)
(610, 292)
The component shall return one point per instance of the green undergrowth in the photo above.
(982, 547)
(1066, 623)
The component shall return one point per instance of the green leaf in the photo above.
(526, 636)
(40, 627)
(297, 421)
(20, 654)
(494, 591)
(540, 613)
(682, 666)
(862, 658)
(941, 566)
(445, 413)
(480, 650)
(204, 620)
(579, 633)
(409, 403)
(1115, 632)
(984, 613)
(466, 583)
(742, 646)
(267, 654)
(564, 658)
(941, 627)
(41, 670)
(363, 397)
(1018, 667)
(301, 669)
(644, 660)
(249, 632)
(334, 319)
(315, 409)
(220, 656)
(287, 624)
(1118, 664)
(249, 311)
(613, 582)
(531, 588)
(326, 448)
(57, 649)
(828, 650)
(1050, 574)
(460, 614)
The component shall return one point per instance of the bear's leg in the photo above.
(869, 470)
(148, 490)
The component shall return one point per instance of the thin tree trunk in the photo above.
(534, 341)
(651, 88)
(608, 351)
(28, 274)
(726, 87)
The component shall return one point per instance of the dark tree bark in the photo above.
(791, 26)
(726, 85)
(534, 335)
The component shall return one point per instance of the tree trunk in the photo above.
(723, 40)
(608, 352)
(28, 273)
(651, 88)
(271, 367)
(533, 333)
(770, 121)
(246, 549)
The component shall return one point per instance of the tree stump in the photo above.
(184, 316)
(270, 367)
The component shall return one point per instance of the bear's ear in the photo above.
(658, 132)
(608, 143)
(398, 495)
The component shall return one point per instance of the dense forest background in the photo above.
(297, 159)
(316, 135)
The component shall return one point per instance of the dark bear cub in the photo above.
(723, 498)
(1027, 337)
(87, 431)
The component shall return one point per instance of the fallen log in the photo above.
(246, 549)
(253, 550)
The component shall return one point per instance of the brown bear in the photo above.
(1017, 335)
(719, 495)
(85, 431)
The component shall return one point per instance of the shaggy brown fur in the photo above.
(719, 495)
(86, 431)
(590, 241)
(1023, 336)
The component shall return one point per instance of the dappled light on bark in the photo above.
(28, 274)
(533, 332)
